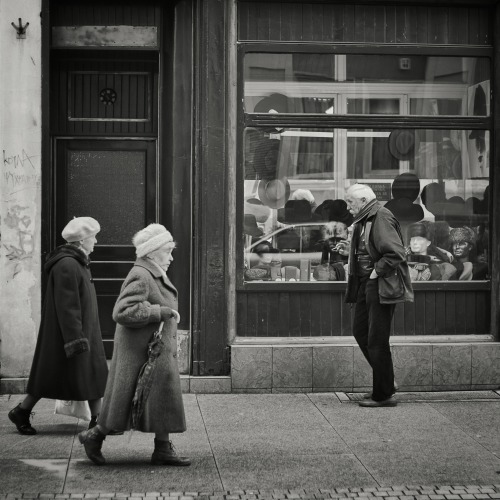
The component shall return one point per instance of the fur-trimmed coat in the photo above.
(146, 298)
(69, 361)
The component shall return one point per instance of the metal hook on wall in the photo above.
(21, 30)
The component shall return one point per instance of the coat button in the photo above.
(175, 355)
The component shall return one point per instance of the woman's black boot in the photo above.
(21, 419)
(92, 440)
(164, 454)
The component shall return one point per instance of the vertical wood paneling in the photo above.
(351, 22)
(96, 13)
(296, 316)
(327, 23)
(450, 313)
(324, 314)
(339, 29)
(284, 305)
(390, 24)
(274, 20)
(429, 318)
(440, 316)
(263, 21)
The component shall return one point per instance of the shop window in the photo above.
(296, 172)
(437, 187)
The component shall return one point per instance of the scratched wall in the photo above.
(20, 190)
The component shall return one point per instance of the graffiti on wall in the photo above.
(19, 173)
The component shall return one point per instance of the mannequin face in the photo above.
(419, 245)
(461, 250)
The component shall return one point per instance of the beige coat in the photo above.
(146, 298)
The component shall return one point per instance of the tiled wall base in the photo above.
(198, 385)
(342, 367)
(263, 369)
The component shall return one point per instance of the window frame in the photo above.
(344, 121)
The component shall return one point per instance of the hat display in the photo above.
(274, 193)
(274, 103)
(295, 211)
(403, 144)
(80, 228)
(151, 238)
(250, 226)
(465, 233)
(418, 229)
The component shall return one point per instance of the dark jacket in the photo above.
(145, 300)
(69, 361)
(384, 243)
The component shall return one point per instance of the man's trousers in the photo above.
(372, 328)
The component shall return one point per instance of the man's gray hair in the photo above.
(361, 191)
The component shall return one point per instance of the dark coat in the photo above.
(384, 243)
(145, 300)
(69, 361)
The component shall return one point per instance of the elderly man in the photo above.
(378, 279)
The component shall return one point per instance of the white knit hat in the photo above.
(151, 238)
(80, 228)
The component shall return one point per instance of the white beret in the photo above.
(151, 238)
(80, 228)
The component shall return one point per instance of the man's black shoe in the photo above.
(370, 403)
(369, 395)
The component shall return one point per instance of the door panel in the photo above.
(113, 181)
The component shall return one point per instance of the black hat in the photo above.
(479, 109)
(250, 226)
(277, 103)
(295, 211)
(418, 229)
(403, 144)
(406, 186)
(274, 193)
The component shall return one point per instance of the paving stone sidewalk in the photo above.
(408, 492)
(271, 446)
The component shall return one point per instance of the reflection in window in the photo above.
(366, 84)
(436, 182)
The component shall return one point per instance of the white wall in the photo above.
(20, 188)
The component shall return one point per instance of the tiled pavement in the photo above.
(409, 492)
(272, 446)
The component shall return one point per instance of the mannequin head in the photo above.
(462, 243)
(419, 238)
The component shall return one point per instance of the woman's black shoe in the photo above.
(21, 419)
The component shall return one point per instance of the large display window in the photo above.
(330, 126)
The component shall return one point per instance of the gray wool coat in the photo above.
(145, 300)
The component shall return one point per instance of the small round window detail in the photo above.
(107, 96)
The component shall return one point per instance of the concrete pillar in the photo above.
(20, 189)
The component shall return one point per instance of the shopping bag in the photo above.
(77, 409)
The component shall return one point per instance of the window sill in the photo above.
(340, 286)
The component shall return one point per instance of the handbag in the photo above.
(391, 287)
(72, 408)
(146, 376)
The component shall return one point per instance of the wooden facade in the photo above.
(184, 98)
(333, 22)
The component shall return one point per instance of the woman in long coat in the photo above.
(69, 361)
(146, 299)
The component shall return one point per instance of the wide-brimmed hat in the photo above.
(250, 226)
(277, 103)
(405, 210)
(80, 228)
(274, 193)
(295, 211)
(403, 144)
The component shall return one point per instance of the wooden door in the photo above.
(114, 181)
